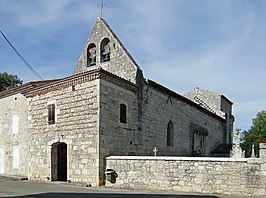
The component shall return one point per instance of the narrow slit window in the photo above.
(15, 125)
(51, 114)
(123, 113)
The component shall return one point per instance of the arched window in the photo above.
(91, 55)
(105, 50)
(123, 113)
(170, 134)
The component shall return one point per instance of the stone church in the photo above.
(63, 129)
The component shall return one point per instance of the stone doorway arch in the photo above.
(59, 161)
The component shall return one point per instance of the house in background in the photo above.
(64, 129)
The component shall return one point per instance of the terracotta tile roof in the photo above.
(81, 78)
(24, 88)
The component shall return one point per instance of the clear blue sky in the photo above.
(217, 45)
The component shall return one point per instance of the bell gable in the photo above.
(103, 49)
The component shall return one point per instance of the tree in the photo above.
(8, 81)
(255, 135)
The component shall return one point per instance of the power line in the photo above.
(20, 56)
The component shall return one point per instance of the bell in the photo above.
(106, 57)
(93, 61)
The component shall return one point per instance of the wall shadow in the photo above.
(109, 195)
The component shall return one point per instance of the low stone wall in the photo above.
(187, 174)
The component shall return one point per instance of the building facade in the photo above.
(64, 129)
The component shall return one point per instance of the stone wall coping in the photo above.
(166, 158)
(262, 145)
(256, 161)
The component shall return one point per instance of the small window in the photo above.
(51, 114)
(15, 124)
(73, 88)
(123, 113)
(170, 134)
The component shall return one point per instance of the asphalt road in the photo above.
(33, 189)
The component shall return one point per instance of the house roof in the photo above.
(24, 88)
(90, 75)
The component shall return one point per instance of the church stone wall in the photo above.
(117, 138)
(218, 104)
(187, 174)
(226, 106)
(159, 108)
(77, 125)
(14, 163)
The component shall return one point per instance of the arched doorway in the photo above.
(59, 162)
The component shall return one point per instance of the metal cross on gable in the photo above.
(102, 5)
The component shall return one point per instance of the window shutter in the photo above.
(51, 114)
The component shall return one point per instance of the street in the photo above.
(34, 189)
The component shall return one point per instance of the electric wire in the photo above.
(20, 56)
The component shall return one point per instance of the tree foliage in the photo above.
(255, 135)
(8, 81)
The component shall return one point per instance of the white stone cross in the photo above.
(155, 150)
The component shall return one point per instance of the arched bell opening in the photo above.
(91, 55)
(105, 50)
